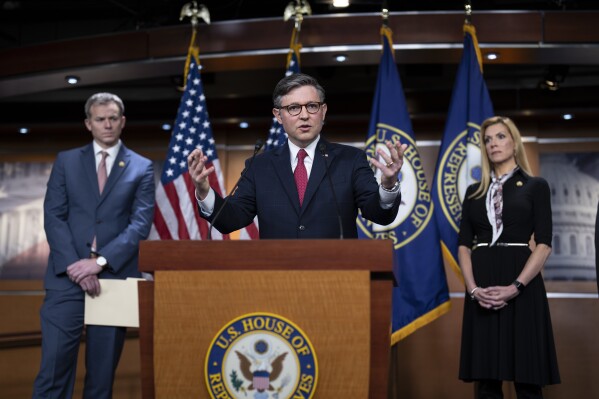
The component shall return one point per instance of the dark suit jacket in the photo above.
(74, 211)
(268, 190)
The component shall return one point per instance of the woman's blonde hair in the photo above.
(486, 166)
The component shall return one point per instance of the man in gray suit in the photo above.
(99, 204)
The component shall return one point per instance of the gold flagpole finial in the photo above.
(297, 10)
(192, 10)
(385, 15)
(468, 10)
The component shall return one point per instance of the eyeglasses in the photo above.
(296, 109)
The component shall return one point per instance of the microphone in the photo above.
(323, 151)
(257, 147)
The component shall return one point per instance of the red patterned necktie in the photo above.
(301, 175)
(102, 173)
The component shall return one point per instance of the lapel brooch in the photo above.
(122, 164)
(519, 183)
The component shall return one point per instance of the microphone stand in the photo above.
(323, 148)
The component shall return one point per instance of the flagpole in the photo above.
(421, 295)
(469, 107)
(386, 30)
(468, 10)
(176, 214)
(297, 11)
(194, 12)
(385, 14)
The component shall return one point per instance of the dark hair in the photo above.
(294, 81)
(103, 99)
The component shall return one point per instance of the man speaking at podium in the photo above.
(308, 187)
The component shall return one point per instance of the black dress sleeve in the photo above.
(543, 228)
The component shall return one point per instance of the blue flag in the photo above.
(422, 294)
(276, 134)
(458, 164)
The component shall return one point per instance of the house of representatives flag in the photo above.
(276, 134)
(422, 294)
(458, 164)
(176, 215)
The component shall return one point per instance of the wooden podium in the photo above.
(337, 291)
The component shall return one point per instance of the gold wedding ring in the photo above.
(389, 163)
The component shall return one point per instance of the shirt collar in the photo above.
(310, 149)
(112, 151)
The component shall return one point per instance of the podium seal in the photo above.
(261, 356)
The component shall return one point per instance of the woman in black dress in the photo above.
(506, 330)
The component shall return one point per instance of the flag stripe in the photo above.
(216, 179)
(195, 228)
(217, 182)
(187, 205)
(170, 220)
(252, 231)
(173, 197)
(160, 224)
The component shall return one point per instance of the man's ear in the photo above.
(88, 124)
(277, 113)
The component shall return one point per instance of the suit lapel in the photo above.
(282, 167)
(281, 163)
(317, 173)
(118, 168)
(88, 163)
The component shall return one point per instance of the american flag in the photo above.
(176, 215)
(276, 135)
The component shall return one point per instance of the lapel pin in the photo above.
(519, 183)
(122, 164)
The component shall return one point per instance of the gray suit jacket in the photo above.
(74, 211)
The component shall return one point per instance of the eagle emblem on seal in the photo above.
(260, 367)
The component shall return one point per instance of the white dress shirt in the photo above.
(112, 153)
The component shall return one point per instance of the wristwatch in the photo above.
(101, 261)
(393, 189)
(518, 285)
